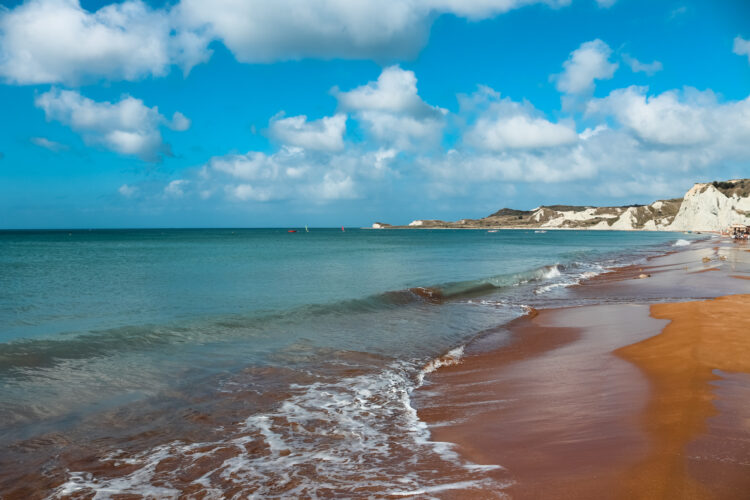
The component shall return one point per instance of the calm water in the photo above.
(129, 357)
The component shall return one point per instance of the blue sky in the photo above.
(191, 113)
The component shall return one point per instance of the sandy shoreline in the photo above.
(627, 399)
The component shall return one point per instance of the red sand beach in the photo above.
(619, 400)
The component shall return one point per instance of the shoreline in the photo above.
(504, 228)
(356, 392)
(566, 407)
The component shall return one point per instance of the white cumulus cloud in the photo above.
(179, 122)
(549, 166)
(587, 63)
(290, 173)
(688, 118)
(504, 124)
(127, 127)
(261, 31)
(58, 41)
(326, 134)
(392, 111)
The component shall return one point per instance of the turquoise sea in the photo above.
(127, 357)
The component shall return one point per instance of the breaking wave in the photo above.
(20, 356)
(349, 436)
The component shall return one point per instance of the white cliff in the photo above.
(627, 220)
(706, 208)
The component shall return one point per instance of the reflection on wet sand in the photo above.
(615, 400)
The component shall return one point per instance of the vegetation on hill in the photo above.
(740, 187)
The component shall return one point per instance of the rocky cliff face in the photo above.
(705, 207)
(709, 208)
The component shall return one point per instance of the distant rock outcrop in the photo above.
(705, 207)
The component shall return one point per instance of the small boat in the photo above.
(292, 231)
(492, 231)
(540, 232)
(306, 230)
(342, 229)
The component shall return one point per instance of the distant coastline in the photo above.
(706, 207)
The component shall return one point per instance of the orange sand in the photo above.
(680, 362)
(612, 400)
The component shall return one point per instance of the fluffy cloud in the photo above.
(392, 111)
(57, 41)
(290, 173)
(635, 143)
(587, 63)
(286, 174)
(179, 122)
(606, 3)
(504, 124)
(253, 166)
(637, 66)
(128, 126)
(614, 163)
(688, 118)
(654, 143)
(260, 31)
(395, 91)
(742, 47)
(550, 166)
(326, 134)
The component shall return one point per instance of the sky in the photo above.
(189, 113)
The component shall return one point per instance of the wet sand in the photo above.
(626, 399)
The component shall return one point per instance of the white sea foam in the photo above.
(570, 279)
(681, 243)
(552, 272)
(461, 485)
(350, 434)
(452, 357)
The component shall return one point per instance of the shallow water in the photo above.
(232, 362)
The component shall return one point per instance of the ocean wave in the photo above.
(348, 436)
(18, 357)
(485, 286)
(452, 357)
(681, 243)
(578, 272)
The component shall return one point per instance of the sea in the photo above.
(236, 363)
